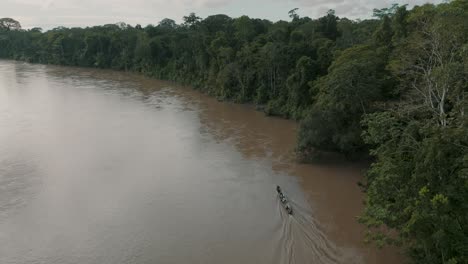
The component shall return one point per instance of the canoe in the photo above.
(284, 200)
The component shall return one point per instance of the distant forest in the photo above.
(394, 87)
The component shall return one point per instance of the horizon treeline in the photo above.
(394, 87)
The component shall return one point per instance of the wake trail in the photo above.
(302, 239)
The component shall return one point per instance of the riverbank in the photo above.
(331, 188)
(114, 107)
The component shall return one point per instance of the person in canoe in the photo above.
(284, 200)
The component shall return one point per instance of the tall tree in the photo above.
(9, 24)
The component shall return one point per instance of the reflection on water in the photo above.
(107, 167)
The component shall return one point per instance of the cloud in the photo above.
(352, 8)
(309, 3)
(52, 13)
(207, 3)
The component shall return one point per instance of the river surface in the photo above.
(104, 167)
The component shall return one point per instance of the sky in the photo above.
(80, 13)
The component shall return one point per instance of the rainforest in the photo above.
(392, 90)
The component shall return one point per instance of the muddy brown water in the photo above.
(105, 167)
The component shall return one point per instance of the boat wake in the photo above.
(302, 241)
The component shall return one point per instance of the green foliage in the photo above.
(383, 35)
(293, 13)
(191, 20)
(396, 85)
(386, 11)
(355, 81)
(418, 184)
(7, 24)
(329, 25)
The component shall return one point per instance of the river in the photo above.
(105, 167)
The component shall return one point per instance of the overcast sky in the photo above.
(52, 13)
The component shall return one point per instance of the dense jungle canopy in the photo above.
(394, 87)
